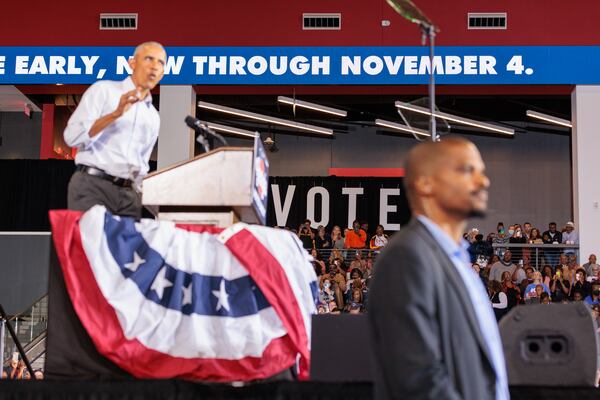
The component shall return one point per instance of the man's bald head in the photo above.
(428, 157)
(435, 171)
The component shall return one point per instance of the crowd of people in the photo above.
(519, 275)
(343, 261)
(16, 370)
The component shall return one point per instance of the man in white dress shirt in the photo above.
(114, 129)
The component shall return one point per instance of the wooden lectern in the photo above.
(221, 187)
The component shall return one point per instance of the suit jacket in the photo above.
(425, 335)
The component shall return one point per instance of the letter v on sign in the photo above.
(282, 213)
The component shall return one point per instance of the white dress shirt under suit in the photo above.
(480, 300)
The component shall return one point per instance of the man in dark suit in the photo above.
(433, 331)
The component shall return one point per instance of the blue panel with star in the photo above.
(164, 284)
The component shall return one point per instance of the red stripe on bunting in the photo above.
(100, 321)
(270, 277)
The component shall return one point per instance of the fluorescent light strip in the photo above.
(312, 106)
(401, 127)
(549, 118)
(264, 118)
(230, 129)
(457, 119)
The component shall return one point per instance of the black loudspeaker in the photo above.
(340, 349)
(550, 345)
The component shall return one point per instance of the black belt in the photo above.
(101, 174)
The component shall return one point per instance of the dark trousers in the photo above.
(85, 191)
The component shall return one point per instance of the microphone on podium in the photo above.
(195, 124)
(204, 131)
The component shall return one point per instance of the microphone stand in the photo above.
(428, 34)
(205, 134)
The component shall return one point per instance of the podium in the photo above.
(221, 187)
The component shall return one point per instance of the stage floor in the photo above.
(175, 389)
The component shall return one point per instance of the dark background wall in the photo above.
(530, 173)
(20, 135)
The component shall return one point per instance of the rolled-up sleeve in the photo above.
(89, 110)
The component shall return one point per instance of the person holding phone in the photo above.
(560, 286)
(114, 129)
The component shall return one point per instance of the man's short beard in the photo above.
(473, 213)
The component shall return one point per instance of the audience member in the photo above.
(563, 263)
(547, 275)
(591, 267)
(560, 287)
(480, 248)
(577, 295)
(358, 263)
(552, 236)
(379, 240)
(534, 289)
(527, 281)
(573, 265)
(306, 236)
(500, 239)
(322, 239)
(498, 299)
(356, 238)
(544, 298)
(519, 275)
(527, 230)
(318, 262)
(535, 238)
(580, 283)
(16, 369)
(503, 265)
(477, 268)
(570, 236)
(365, 227)
(337, 284)
(337, 240)
(355, 304)
(517, 238)
(513, 294)
(594, 296)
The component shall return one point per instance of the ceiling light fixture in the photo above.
(230, 129)
(401, 127)
(549, 118)
(312, 106)
(455, 118)
(265, 118)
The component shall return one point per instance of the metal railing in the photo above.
(28, 325)
(347, 254)
(538, 254)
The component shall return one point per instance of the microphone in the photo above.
(203, 129)
(195, 124)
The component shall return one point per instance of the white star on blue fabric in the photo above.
(187, 295)
(222, 295)
(161, 282)
(135, 264)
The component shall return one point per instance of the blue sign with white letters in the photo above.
(464, 65)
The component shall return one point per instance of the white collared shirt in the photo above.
(123, 148)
